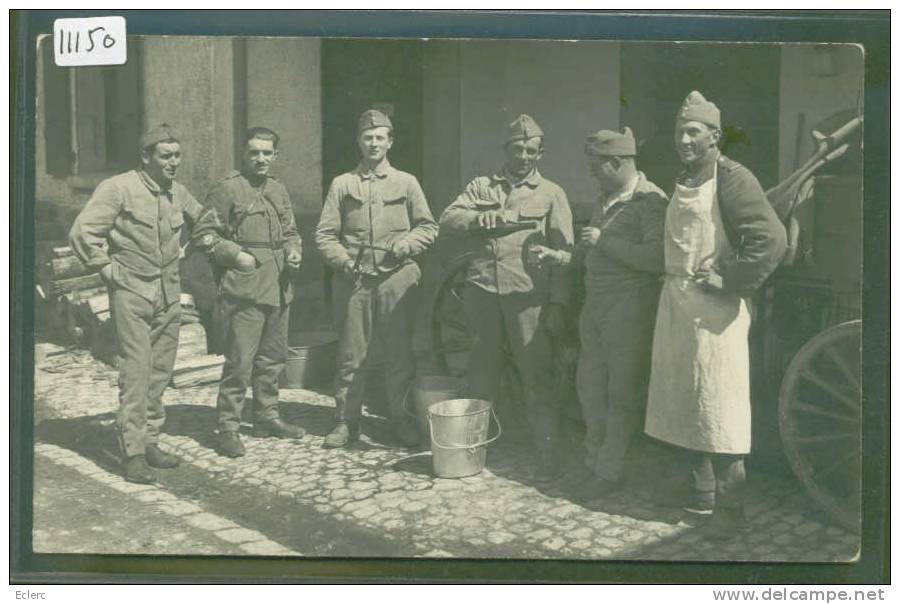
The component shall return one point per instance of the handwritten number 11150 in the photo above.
(71, 41)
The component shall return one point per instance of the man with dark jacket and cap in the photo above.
(252, 239)
(512, 302)
(130, 230)
(722, 240)
(374, 221)
(622, 251)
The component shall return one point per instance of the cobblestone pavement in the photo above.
(500, 513)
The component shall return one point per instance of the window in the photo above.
(92, 115)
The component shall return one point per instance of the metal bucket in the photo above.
(310, 360)
(459, 436)
(428, 390)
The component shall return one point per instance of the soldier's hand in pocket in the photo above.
(294, 258)
(245, 262)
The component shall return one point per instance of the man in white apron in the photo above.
(722, 241)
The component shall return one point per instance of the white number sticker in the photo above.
(89, 41)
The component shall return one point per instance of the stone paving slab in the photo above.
(501, 512)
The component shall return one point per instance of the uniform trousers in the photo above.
(379, 307)
(147, 334)
(616, 332)
(255, 340)
(513, 321)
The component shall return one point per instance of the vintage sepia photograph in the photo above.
(517, 299)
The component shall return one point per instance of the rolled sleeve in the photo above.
(210, 232)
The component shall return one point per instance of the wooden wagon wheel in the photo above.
(819, 416)
(450, 338)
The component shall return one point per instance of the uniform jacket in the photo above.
(500, 266)
(754, 230)
(630, 249)
(130, 223)
(257, 221)
(373, 209)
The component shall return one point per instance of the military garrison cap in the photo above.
(158, 134)
(523, 127)
(611, 143)
(373, 118)
(697, 108)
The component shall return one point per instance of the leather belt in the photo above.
(266, 245)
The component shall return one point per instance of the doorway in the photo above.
(364, 74)
(741, 79)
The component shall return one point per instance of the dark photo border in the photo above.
(868, 28)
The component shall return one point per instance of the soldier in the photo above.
(722, 240)
(252, 239)
(507, 298)
(130, 229)
(623, 257)
(375, 219)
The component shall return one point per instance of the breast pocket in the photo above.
(354, 214)
(535, 210)
(176, 221)
(395, 215)
(252, 224)
(138, 224)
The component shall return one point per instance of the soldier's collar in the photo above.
(152, 184)
(700, 171)
(532, 180)
(381, 170)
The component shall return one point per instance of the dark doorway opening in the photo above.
(743, 80)
(362, 74)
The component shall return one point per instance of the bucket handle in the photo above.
(403, 405)
(471, 447)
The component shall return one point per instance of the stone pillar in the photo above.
(189, 83)
(284, 88)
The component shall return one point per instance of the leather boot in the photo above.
(406, 433)
(726, 523)
(683, 496)
(157, 458)
(230, 444)
(137, 470)
(277, 428)
(341, 435)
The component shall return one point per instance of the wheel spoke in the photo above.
(841, 362)
(814, 410)
(453, 322)
(846, 400)
(834, 466)
(821, 438)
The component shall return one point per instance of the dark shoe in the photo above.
(577, 475)
(406, 434)
(157, 458)
(595, 488)
(230, 444)
(341, 436)
(687, 499)
(726, 523)
(277, 428)
(137, 470)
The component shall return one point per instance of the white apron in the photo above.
(699, 395)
